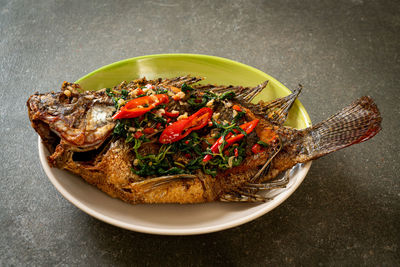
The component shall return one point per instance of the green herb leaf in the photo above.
(211, 172)
(227, 95)
(186, 88)
(124, 93)
(192, 101)
(121, 128)
(262, 143)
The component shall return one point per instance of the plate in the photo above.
(176, 219)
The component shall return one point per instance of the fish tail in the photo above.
(354, 124)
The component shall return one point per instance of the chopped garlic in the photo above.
(210, 103)
(174, 112)
(179, 95)
(136, 162)
(184, 116)
(234, 113)
(67, 93)
(149, 86)
(216, 115)
(160, 112)
(227, 104)
(230, 161)
(132, 129)
(121, 102)
(154, 98)
(133, 93)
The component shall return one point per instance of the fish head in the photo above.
(80, 120)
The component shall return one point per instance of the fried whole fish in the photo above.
(172, 141)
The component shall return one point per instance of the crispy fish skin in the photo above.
(112, 174)
(110, 169)
(68, 127)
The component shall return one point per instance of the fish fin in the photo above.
(249, 94)
(248, 192)
(215, 88)
(179, 81)
(276, 111)
(354, 124)
(264, 169)
(151, 184)
(242, 196)
(245, 94)
(270, 184)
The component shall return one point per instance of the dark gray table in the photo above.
(345, 213)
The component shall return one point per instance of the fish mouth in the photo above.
(49, 138)
(92, 156)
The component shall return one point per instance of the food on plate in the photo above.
(177, 141)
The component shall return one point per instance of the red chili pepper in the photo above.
(132, 109)
(230, 139)
(237, 108)
(257, 148)
(148, 130)
(158, 125)
(139, 91)
(149, 86)
(138, 134)
(236, 152)
(170, 114)
(182, 128)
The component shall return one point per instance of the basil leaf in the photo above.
(186, 88)
(124, 93)
(262, 143)
(227, 95)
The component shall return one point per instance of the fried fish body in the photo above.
(77, 128)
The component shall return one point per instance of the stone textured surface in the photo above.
(347, 212)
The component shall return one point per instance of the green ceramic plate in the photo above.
(173, 219)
